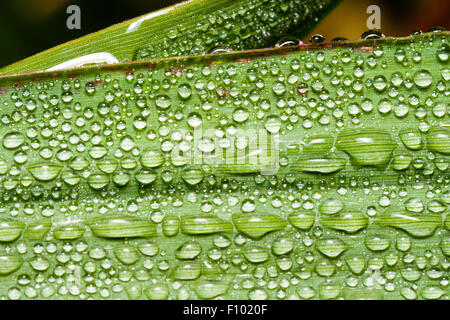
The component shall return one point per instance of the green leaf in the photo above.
(188, 28)
(149, 170)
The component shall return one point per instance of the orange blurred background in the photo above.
(398, 17)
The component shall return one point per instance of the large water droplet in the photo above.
(423, 78)
(45, 171)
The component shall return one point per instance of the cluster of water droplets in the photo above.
(246, 26)
(95, 203)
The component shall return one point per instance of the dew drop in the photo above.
(423, 78)
(13, 140)
(316, 39)
(163, 101)
(45, 171)
(371, 35)
(287, 41)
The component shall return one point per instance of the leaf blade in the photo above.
(362, 218)
(192, 20)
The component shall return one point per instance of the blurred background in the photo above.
(30, 26)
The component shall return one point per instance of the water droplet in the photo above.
(349, 221)
(145, 177)
(367, 147)
(157, 291)
(316, 39)
(302, 88)
(219, 49)
(40, 263)
(126, 253)
(288, 41)
(414, 205)
(10, 230)
(45, 171)
(423, 78)
(332, 247)
(318, 144)
(13, 140)
(377, 242)
(184, 91)
(445, 245)
(37, 230)
(411, 138)
(192, 176)
(416, 225)
(331, 206)
(9, 264)
(68, 232)
(356, 263)
(438, 139)
(152, 159)
(121, 227)
(188, 250)
(209, 289)
(256, 254)
(379, 83)
(306, 292)
(329, 291)
(321, 165)
(98, 180)
(371, 35)
(279, 88)
(187, 270)
(273, 124)
(163, 101)
(148, 249)
(302, 220)
(432, 292)
(170, 226)
(384, 106)
(442, 52)
(240, 115)
(256, 226)
(282, 246)
(194, 120)
(436, 29)
(204, 225)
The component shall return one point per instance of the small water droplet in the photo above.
(371, 35)
(287, 41)
(316, 39)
